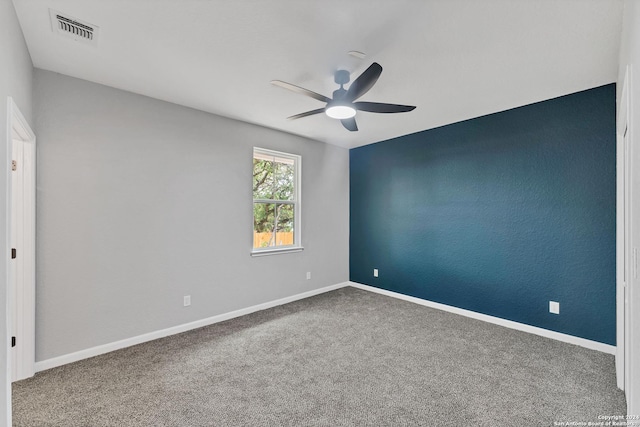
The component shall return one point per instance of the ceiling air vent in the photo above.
(73, 28)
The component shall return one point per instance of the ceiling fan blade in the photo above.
(364, 82)
(301, 90)
(305, 114)
(350, 124)
(379, 107)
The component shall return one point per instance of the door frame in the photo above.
(18, 130)
(623, 236)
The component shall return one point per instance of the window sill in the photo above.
(277, 251)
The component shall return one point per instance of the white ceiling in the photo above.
(453, 59)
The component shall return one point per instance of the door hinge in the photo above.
(14, 253)
(13, 341)
(14, 165)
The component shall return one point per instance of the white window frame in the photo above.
(297, 205)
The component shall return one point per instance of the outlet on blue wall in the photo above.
(498, 214)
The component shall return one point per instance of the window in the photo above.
(276, 202)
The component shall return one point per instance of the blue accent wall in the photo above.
(498, 214)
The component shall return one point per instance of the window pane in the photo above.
(263, 225)
(263, 178)
(275, 199)
(284, 225)
(284, 180)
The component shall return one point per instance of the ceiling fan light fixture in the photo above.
(340, 111)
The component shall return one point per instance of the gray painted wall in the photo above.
(141, 202)
(16, 75)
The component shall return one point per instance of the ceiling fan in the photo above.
(343, 105)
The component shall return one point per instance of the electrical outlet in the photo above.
(375, 272)
(308, 275)
(187, 300)
(554, 307)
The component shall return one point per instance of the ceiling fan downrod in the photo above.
(341, 77)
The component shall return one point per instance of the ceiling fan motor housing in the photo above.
(339, 94)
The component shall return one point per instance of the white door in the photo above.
(21, 292)
(627, 254)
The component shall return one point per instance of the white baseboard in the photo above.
(593, 345)
(117, 345)
(106, 348)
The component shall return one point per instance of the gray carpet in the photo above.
(347, 357)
